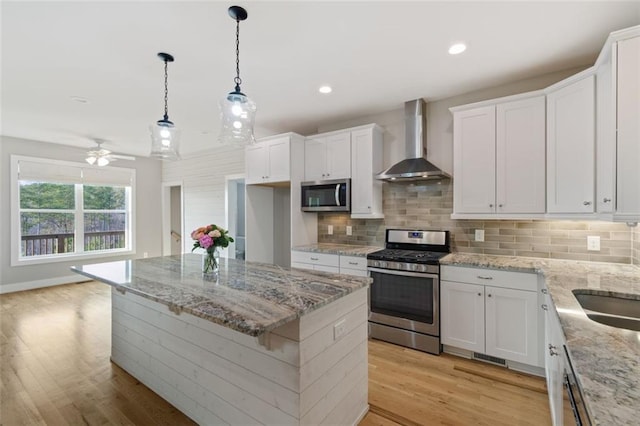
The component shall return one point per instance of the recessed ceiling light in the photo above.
(80, 99)
(325, 89)
(457, 48)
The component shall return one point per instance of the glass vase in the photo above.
(210, 261)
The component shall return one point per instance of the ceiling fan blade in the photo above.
(122, 157)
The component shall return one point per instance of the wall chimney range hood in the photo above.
(415, 166)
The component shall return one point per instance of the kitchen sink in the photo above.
(614, 311)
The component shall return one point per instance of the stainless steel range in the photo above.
(405, 293)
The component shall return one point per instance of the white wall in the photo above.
(147, 237)
(203, 186)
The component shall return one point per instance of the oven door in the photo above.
(406, 300)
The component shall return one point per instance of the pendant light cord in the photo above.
(166, 92)
(237, 80)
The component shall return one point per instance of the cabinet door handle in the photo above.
(586, 203)
(484, 278)
(491, 205)
(353, 263)
(499, 205)
(314, 258)
(606, 200)
(489, 295)
(479, 294)
(552, 352)
(544, 291)
(544, 307)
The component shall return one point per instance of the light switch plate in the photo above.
(349, 230)
(479, 234)
(593, 243)
(330, 229)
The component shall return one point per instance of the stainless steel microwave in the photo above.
(326, 196)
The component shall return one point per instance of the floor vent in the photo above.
(489, 358)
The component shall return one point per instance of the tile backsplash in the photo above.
(428, 205)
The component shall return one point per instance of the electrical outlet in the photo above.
(349, 230)
(330, 229)
(593, 243)
(479, 234)
(145, 254)
(339, 329)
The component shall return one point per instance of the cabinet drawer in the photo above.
(355, 272)
(315, 258)
(492, 277)
(324, 268)
(353, 262)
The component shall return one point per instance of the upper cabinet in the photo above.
(571, 147)
(268, 161)
(628, 129)
(499, 157)
(366, 161)
(327, 156)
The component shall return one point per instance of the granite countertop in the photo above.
(248, 297)
(606, 359)
(341, 249)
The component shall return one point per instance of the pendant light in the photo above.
(237, 111)
(164, 135)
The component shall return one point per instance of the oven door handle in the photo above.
(403, 273)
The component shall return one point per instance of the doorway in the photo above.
(172, 219)
(235, 212)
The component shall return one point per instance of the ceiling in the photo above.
(374, 54)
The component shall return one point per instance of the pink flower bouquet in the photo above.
(210, 237)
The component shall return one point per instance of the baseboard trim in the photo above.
(48, 282)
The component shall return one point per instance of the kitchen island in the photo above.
(253, 344)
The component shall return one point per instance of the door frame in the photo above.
(166, 216)
(227, 209)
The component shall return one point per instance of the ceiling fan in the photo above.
(101, 157)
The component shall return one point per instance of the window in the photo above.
(63, 210)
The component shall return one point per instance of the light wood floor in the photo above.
(55, 370)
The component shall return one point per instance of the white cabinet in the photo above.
(500, 319)
(335, 263)
(315, 261)
(353, 265)
(520, 156)
(268, 161)
(366, 161)
(474, 167)
(554, 363)
(570, 147)
(605, 138)
(462, 315)
(327, 157)
(628, 126)
(499, 157)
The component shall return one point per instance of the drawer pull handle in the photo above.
(489, 295)
(479, 294)
(544, 307)
(353, 263)
(544, 291)
(485, 278)
(314, 258)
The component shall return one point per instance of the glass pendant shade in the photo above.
(164, 140)
(237, 114)
(91, 159)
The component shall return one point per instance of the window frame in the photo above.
(79, 211)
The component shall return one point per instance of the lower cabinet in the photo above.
(334, 263)
(554, 364)
(499, 319)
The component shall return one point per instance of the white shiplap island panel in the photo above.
(304, 371)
